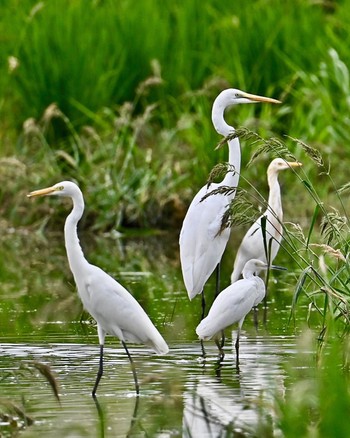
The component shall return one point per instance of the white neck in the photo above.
(274, 200)
(217, 117)
(75, 254)
(225, 129)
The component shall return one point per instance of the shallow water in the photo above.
(181, 393)
(184, 393)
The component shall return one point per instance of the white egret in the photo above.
(233, 304)
(201, 242)
(115, 310)
(253, 245)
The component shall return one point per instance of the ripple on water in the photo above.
(183, 389)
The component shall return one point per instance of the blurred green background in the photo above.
(118, 95)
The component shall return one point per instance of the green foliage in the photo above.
(14, 417)
(316, 397)
(92, 93)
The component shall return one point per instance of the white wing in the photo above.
(118, 313)
(230, 306)
(252, 245)
(201, 243)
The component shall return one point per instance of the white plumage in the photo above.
(115, 310)
(201, 243)
(233, 304)
(252, 245)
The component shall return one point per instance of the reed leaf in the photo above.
(313, 153)
(46, 372)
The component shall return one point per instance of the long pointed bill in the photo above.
(278, 268)
(294, 164)
(42, 192)
(255, 98)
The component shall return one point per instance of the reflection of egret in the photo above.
(233, 304)
(253, 245)
(115, 310)
(102, 419)
(201, 242)
(231, 406)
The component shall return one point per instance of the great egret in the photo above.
(253, 245)
(201, 242)
(115, 310)
(233, 304)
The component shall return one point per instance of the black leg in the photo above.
(133, 369)
(203, 305)
(99, 373)
(217, 284)
(237, 348)
(203, 349)
(256, 322)
(221, 351)
(101, 416)
(222, 342)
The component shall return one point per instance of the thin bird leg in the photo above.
(217, 291)
(99, 373)
(221, 351)
(222, 342)
(203, 305)
(203, 349)
(237, 344)
(133, 369)
(256, 321)
(217, 283)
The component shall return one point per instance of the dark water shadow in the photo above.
(103, 421)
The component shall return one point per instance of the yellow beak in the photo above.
(42, 192)
(294, 163)
(256, 98)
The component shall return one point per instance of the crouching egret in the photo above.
(253, 245)
(115, 310)
(233, 304)
(201, 242)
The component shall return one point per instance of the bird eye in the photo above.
(60, 188)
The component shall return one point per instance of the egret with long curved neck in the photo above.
(201, 242)
(115, 310)
(253, 245)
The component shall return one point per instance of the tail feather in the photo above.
(160, 347)
(205, 330)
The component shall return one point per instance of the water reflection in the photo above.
(182, 393)
(224, 399)
(103, 422)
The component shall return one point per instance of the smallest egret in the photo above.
(233, 304)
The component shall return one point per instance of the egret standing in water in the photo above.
(115, 310)
(201, 242)
(233, 304)
(253, 245)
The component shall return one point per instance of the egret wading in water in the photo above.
(233, 304)
(253, 245)
(201, 242)
(115, 310)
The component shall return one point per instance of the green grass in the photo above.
(317, 394)
(99, 97)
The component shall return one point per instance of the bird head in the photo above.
(255, 266)
(233, 96)
(280, 164)
(64, 188)
(227, 98)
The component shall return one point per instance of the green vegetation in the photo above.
(88, 92)
(117, 96)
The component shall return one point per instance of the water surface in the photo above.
(185, 393)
